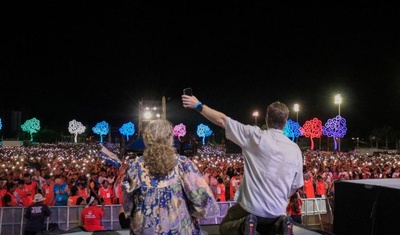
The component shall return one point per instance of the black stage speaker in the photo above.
(368, 207)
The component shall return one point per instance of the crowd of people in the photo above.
(70, 174)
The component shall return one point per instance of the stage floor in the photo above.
(208, 229)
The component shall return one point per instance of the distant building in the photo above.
(11, 124)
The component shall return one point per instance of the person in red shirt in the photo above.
(107, 193)
(92, 215)
(309, 186)
(221, 196)
(21, 195)
(30, 187)
(74, 199)
(83, 190)
(3, 191)
(294, 206)
(48, 190)
(320, 188)
(9, 197)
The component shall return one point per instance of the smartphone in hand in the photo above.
(188, 91)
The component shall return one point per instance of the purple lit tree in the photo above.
(336, 128)
(76, 128)
(101, 129)
(180, 130)
(203, 131)
(128, 129)
(312, 129)
(31, 126)
(292, 129)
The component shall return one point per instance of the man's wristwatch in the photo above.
(199, 107)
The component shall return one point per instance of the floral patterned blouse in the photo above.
(169, 205)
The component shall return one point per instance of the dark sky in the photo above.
(93, 61)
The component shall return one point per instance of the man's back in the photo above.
(273, 168)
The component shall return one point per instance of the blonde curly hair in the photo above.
(159, 155)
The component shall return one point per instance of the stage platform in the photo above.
(207, 230)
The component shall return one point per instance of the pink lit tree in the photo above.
(180, 131)
(312, 129)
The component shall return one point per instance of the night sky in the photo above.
(94, 61)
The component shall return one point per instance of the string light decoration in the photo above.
(336, 128)
(203, 131)
(128, 129)
(101, 128)
(292, 129)
(179, 130)
(76, 128)
(312, 129)
(31, 126)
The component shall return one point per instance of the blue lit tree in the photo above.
(128, 129)
(336, 128)
(31, 126)
(101, 129)
(203, 131)
(76, 128)
(1, 125)
(292, 129)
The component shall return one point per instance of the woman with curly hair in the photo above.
(163, 192)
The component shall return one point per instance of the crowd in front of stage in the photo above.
(68, 173)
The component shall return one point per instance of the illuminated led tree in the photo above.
(76, 128)
(128, 129)
(336, 128)
(180, 130)
(203, 131)
(101, 129)
(31, 126)
(292, 129)
(1, 125)
(312, 129)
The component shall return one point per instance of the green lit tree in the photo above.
(31, 126)
(101, 128)
(76, 128)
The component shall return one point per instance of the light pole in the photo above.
(296, 108)
(255, 115)
(338, 101)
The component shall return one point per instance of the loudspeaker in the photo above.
(366, 206)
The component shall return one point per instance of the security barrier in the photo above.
(316, 207)
(68, 217)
